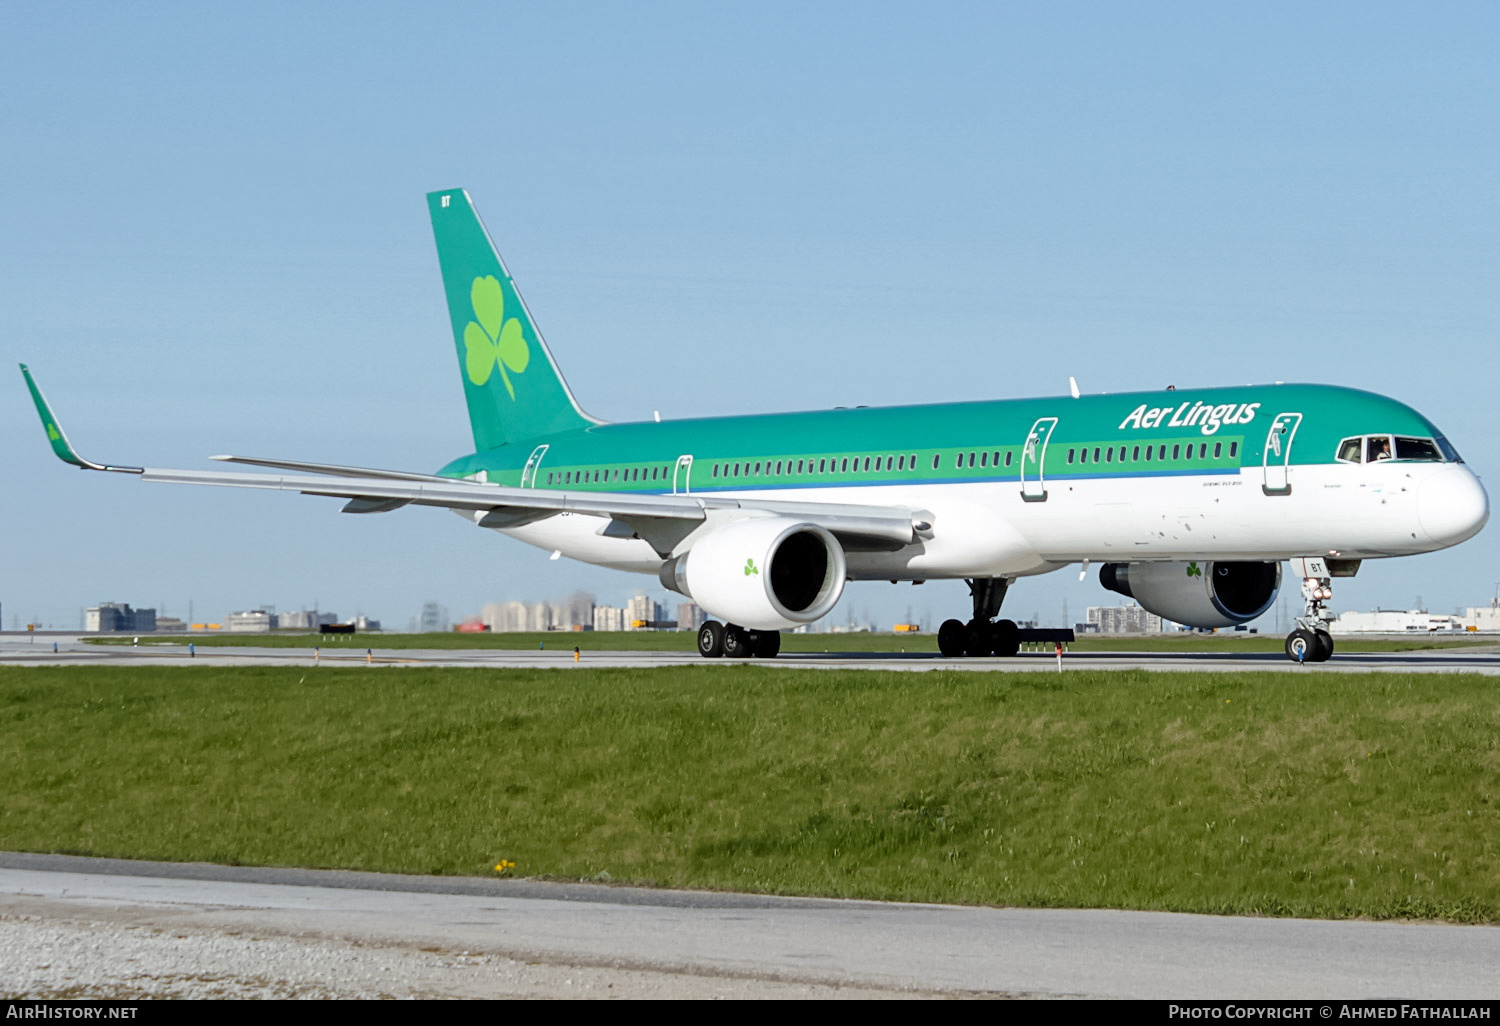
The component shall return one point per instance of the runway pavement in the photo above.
(73, 651)
(180, 920)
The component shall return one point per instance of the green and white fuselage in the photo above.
(1189, 500)
(1026, 486)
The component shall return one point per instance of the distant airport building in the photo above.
(1127, 619)
(118, 616)
(1483, 618)
(253, 621)
(305, 620)
(1394, 621)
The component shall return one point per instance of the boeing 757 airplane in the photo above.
(1188, 501)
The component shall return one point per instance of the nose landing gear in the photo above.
(1311, 642)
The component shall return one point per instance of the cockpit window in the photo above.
(1376, 448)
(1417, 449)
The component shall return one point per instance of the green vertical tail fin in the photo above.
(511, 382)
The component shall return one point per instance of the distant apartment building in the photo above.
(1127, 619)
(609, 618)
(434, 618)
(118, 616)
(641, 609)
(690, 616)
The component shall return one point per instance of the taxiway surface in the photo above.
(373, 935)
(72, 650)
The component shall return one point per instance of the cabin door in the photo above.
(528, 474)
(681, 475)
(1277, 457)
(1033, 458)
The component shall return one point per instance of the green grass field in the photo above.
(683, 641)
(1322, 795)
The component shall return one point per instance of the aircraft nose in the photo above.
(1452, 506)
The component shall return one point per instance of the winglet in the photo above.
(57, 439)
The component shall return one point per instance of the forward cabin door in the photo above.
(681, 475)
(1033, 458)
(1277, 457)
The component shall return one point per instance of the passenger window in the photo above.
(958, 461)
(1176, 451)
(1148, 453)
(822, 466)
(1218, 449)
(1070, 455)
(971, 460)
(1234, 449)
(984, 459)
(1096, 454)
(1135, 454)
(1109, 455)
(935, 458)
(1007, 459)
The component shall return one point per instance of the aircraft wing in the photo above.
(662, 520)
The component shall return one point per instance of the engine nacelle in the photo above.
(1206, 594)
(766, 573)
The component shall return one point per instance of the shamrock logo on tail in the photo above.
(491, 341)
(750, 567)
(52, 432)
(1192, 569)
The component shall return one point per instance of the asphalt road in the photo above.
(628, 942)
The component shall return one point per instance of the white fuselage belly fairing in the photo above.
(989, 530)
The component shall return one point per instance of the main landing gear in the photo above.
(1311, 642)
(983, 635)
(717, 639)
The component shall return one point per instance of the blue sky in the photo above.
(213, 239)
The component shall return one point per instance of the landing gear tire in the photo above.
(1006, 638)
(711, 639)
(737, 642)
(1302, 646)
(769, 644)
(1325, 645)
(951, 638)
(978, 641)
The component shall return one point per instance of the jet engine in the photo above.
(766, 573)
(1197, 594)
